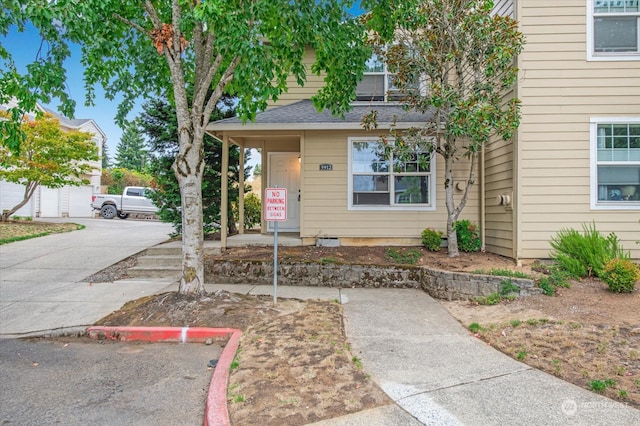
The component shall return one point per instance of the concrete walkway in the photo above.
(432, 368)
(41, 279)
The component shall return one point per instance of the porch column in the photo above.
(224, 178)
(241, 190)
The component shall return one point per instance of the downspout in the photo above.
(224, 199)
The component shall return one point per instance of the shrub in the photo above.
(252, 211)
(620, 275)
(468, 236)
(585, 254)
(432, 239)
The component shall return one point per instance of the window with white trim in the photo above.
(616, 166)
(380, 178)
(377, 83)
(614, 29)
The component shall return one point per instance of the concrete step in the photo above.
(154, 271)
(163, 250)
(160, 260)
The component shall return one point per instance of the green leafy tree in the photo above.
(455, 62)
(116, 179)
(48, 157)
(131, 152)
(158, 122)
(246, 48)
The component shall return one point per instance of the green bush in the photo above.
(585, 254)
(468, 236)
(620, 275)
(432, 239)
(252, 211)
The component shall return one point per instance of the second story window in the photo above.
(377, 84)
(614, 29)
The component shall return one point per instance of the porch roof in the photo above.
(302, 115)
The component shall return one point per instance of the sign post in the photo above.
(275, 209)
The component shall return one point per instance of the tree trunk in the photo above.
(189, 167)
(452, 213)
(29, 189)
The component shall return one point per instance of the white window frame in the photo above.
(602, 56)
(431, 206)
(593, 130)
(390, 92)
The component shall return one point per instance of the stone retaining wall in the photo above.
(438, 284)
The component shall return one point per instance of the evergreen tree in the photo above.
(105, 155)
(131, 152)
(159, 124)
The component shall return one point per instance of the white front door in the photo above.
(284, 172)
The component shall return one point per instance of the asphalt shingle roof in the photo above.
(303, 114)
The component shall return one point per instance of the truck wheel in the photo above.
(123, 215)
(108, 211)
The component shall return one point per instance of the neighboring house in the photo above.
(68, 201)
(575, 159)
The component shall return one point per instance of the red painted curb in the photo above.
(215, 413)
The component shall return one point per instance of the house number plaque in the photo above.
(325, 167)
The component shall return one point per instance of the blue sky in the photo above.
(24, 47)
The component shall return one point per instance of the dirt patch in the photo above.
(294, 366)
(466, 262)
(585, 335)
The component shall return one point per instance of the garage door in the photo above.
(79, 201)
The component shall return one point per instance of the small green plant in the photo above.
(235, 363)
(432, 239)
(637, 383)
(468, 236)
(508, 288)
(521, 355)
(497, 272)
(585, 254)
(623, 394)
(474, 327)
(547, 288)
(492, 299)
(619, 370)
(620, 275)
(410, 256)
(532, 321)
(557, 366)
(515, 323)
(357, 362)
(633, 354)
(598, 386)
(328, 260)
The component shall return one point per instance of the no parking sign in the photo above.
(275, 204)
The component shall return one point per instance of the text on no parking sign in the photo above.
(275, 204)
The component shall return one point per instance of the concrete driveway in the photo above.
(41, 279)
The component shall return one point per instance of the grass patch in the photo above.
(405, 257)
(18, 231)
(497, 272)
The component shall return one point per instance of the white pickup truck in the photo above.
(134, 199)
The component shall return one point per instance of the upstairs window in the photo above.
(616, 163)
(613, 27)
(377, 83)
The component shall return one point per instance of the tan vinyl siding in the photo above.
(499, 181)
(296, 92)
(560, 93)
(325, 200)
